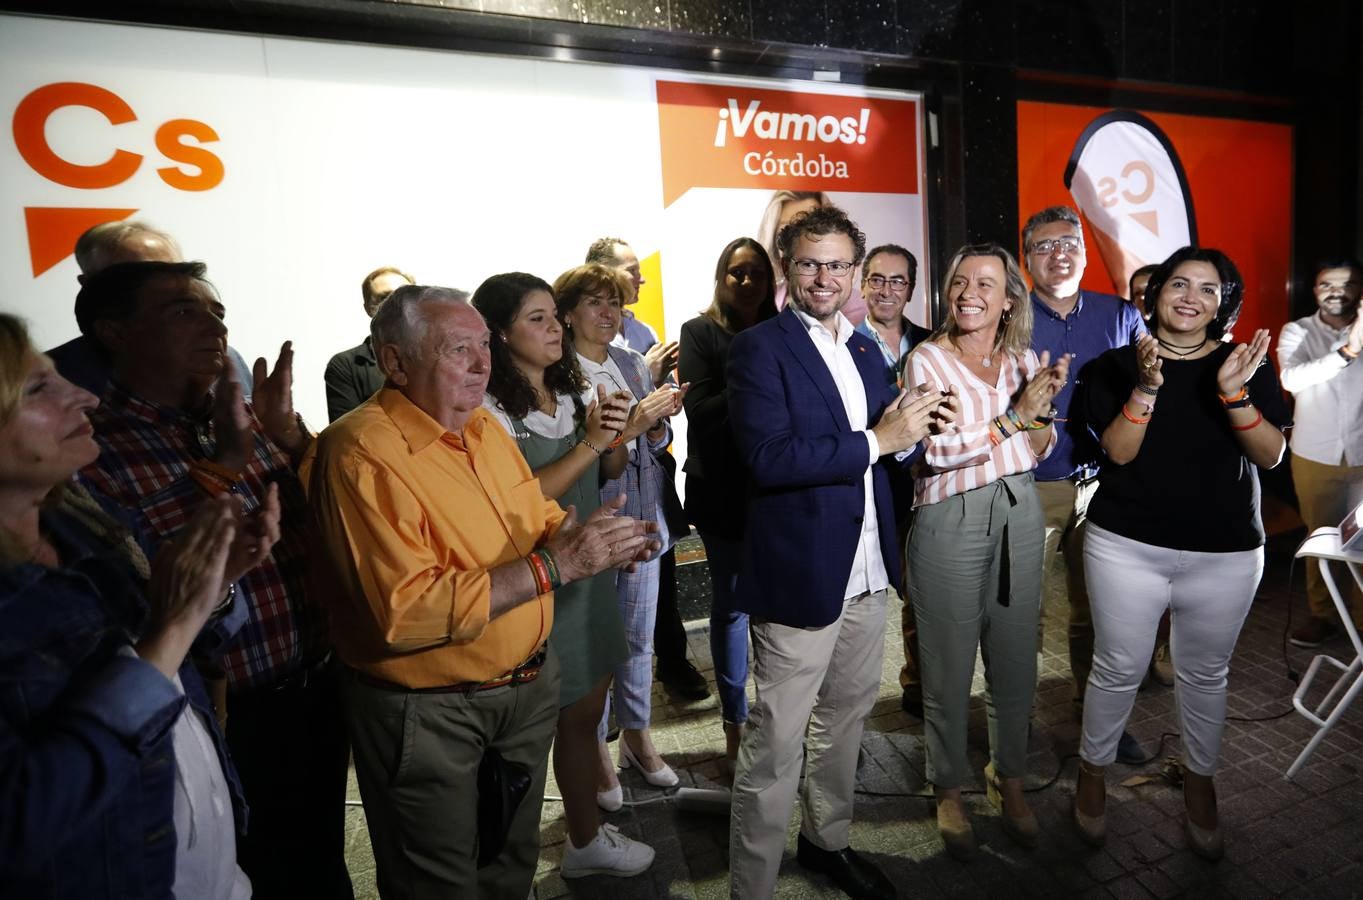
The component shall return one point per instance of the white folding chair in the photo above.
(1323, 547)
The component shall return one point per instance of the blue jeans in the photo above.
(728, 628)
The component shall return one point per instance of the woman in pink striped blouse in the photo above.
(974, 550)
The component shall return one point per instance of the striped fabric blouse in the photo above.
(965, 458)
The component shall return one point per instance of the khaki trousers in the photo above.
(1325, 495)
(1064, 504)
(815, 687)
(416, 760)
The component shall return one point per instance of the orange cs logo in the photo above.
(30, 123)
(1138, 184)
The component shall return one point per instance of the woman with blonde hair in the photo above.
(114, 777)
(974, 548)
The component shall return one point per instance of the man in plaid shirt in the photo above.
(174, 430)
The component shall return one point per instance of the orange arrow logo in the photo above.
(52, 231)
(1149, 219)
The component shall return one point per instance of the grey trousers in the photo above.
(416, 760)
(974, 577)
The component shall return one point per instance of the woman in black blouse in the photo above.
(1185, 422)
(716, 480)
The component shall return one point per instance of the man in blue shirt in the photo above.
(1084, 324)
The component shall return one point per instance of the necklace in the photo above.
(988, 361)
(1182, 351)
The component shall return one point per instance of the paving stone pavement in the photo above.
(1302, 838)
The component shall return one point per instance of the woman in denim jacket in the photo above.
(109, 786)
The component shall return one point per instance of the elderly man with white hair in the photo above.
(446, 555)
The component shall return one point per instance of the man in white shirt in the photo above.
(1317, 359)
(812, 414)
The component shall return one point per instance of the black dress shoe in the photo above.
(684, 680)
(855, 876)
(911, 701)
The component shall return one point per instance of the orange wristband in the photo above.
(1132, 419)
(1252, 425)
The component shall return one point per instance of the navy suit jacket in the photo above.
(805, 513)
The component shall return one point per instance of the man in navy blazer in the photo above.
(813, 414)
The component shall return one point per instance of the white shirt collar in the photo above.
(843, 324)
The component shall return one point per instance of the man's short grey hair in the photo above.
(1048, 216)
(96, 245)
(402, 320)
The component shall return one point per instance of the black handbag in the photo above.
(502, 785)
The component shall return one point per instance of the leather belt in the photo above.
(525, 673)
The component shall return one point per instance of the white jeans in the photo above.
(1130, 585)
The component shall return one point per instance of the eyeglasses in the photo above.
(895, 282)
(838, 268)
(1049, 246)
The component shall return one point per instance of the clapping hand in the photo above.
(662, 359)
(603, 541)
(232, 438)
(1034, 399)
(256, 534)
(1243, 361)
(1150, 366)
(908, 419)
(606, 416)
(948, 411)
(272, 397)
(186, 585)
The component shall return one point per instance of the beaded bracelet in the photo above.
(599, 451)
(1153, 392)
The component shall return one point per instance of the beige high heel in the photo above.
(954, 827)
(1093, 829)
(1208, 843)
(1024, 828)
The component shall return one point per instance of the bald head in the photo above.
(119, 242)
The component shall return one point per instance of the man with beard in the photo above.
(812, 415)
(1317, 358)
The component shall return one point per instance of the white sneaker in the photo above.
(609, 853)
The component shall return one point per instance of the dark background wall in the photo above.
(974, 59)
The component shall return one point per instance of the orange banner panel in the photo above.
(1239, 175)
(726, 136)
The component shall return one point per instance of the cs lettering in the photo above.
(172, 140)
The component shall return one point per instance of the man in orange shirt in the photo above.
(446, 553)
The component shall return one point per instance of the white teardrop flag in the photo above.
(1126, 178)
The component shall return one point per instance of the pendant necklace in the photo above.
(1182, 352)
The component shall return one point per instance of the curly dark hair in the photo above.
(499, 299)
(1232, 287)
(820, 220)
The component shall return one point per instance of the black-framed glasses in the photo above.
(837, 268)
(894, 282)
(1050, 245)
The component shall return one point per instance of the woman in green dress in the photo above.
(534, 392)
